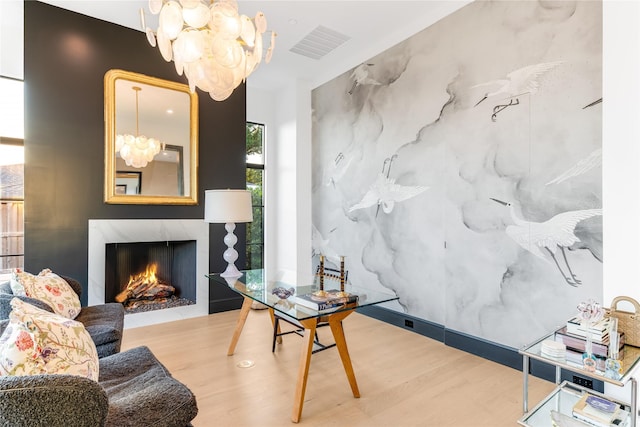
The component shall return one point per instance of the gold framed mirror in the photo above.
(151, 140)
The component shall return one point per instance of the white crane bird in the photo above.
(521, 81)
(385, 192)
(557, 232)
(320, 246)
(583, 166)
(336, 170)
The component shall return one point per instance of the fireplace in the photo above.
(179, 249)
(146, 276)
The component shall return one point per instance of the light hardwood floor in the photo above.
(404, 378)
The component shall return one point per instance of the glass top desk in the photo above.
(253, 286)
(629, 364)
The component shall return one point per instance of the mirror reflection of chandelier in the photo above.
(215, 46)
(137, 150)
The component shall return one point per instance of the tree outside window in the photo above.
(255, 184)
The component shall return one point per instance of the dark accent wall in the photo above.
(66, 56)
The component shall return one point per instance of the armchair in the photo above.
(134, 389)
(104, 322)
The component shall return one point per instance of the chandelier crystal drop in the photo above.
(137, 150)
(210, 42)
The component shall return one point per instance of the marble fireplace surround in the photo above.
(102, 232)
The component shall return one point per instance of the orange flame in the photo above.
(149, 276)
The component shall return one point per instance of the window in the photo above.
(255, 184)
(11, 175)
(11, 204)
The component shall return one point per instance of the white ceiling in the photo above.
(371, 25)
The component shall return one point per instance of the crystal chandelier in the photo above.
(137, 150)
(216, 47)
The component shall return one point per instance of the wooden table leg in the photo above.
(335, 322)
(303, 368)
(244, 312)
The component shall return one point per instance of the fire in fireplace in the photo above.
(148, 276)
(145, 288)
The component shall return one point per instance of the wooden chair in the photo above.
(322, 273)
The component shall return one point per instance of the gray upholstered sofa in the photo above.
(104, 322)
(134, 389)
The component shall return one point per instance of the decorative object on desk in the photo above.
(577, 343)
(614, 338)
(628, 322)
(228, 207)
(342, 276)
(613, 365)
(320, 292)
(599, 331)
(324, 273)
(590, 312)
(331, 300)
(283, 293)
(599, 412)
(589, 362)
(613, 369)
(601, 404)
(553, 350)
(576, 359)
(283, 304)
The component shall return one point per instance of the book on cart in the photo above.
(329, 301)
(578, 343)
(599, 412)
(599, 331)
(558, 419)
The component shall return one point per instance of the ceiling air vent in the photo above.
(319, 42)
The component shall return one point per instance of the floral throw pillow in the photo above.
(38, 342)
(49, 288)
(16, 286)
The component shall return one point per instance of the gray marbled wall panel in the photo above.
(500, 100)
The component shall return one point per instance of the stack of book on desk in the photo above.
(331, 300)
(599, 412)
(575, 340)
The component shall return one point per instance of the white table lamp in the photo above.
(228, 207)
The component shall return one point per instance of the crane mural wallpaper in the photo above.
(461, 168)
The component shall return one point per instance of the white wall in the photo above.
(303, 180)
(11, 39)
(260, 109)
(287, 117)
(621, 155)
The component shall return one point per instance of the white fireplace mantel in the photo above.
(102, 232)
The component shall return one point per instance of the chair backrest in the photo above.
(5, 288)
(3, 325)
(6, 295)
(5, 304)
(59, 400)
(75, 285)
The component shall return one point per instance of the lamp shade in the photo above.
(224, 206)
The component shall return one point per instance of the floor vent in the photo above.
(319, 42)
